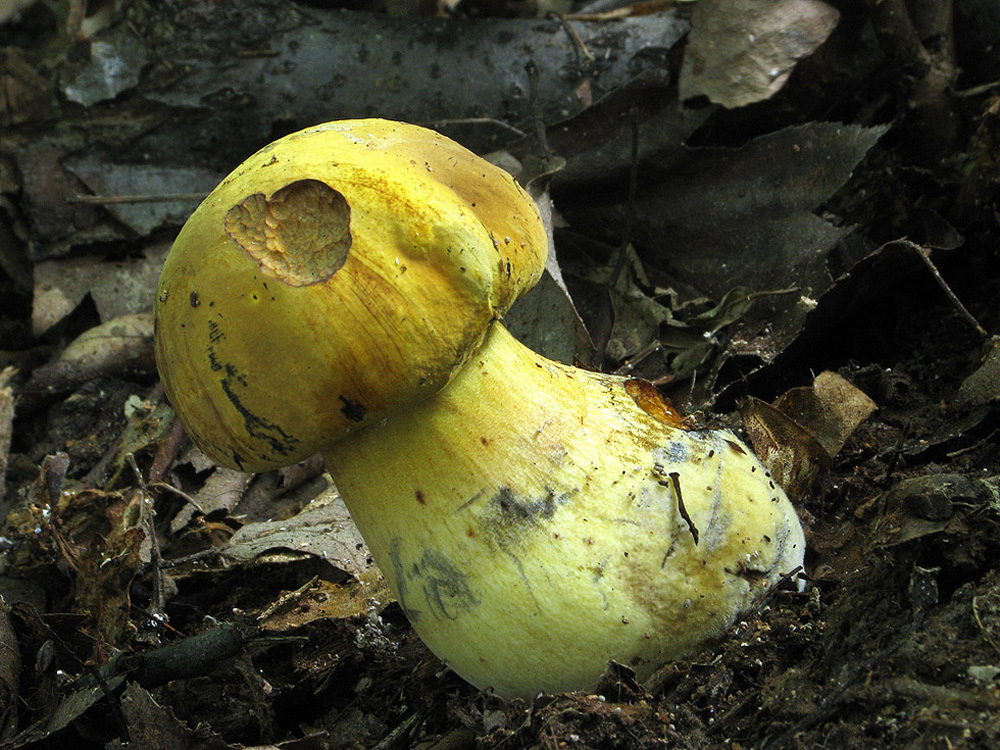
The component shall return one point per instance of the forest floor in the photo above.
(153, 599)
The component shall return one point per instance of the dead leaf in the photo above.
(799, 436)
(100, 536)
(150, 725)
(118, 288)
(320, 599)
(742, 51)
(113, 68)
(792, 455)
(597, 142)
(635, 302)
(722, 220)
(70, 708)
(647, 317)
(147, 424)
(10, 674)
(140, 197)
(983, 385)
(831, 409)
(107, 341)
(222, 491)
(104, 575)
(545, 319)
(744, 217)
(120, 347)
(25, 91)
(729, 218)
(324, 529)
(923, 505)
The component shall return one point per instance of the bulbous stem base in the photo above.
(536, 520)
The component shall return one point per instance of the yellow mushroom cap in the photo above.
(339, 274)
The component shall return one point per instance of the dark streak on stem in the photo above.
(675, 481)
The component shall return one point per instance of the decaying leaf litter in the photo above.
(766, 261)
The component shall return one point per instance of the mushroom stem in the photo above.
(536, 520)
(337, 293)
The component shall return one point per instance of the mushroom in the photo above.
(340, 292)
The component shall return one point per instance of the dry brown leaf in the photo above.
(223, 489)
(117, 288)
(722, 219)
(831, 409)
(112, 339)
(100, 536)
(121, 347)
(792, 455)
(320, 599)
(922, 505)
(798, 437)
(323, 529)
(743, 51)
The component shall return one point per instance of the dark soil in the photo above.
(133, 618)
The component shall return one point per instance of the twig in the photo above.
(397, 737)
(675, 481)
(577, 41)
(6, 422)
(636, 359)
(287, 599)
(92, 676)
(537, 114)
(181, 494)
(977, 90)
(925, 256)
(632, 9)
(193, 557)
(979, 622)
(896, 453)
(166, 454)
(110, 200)
(148, 515)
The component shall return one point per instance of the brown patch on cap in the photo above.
(654, 403)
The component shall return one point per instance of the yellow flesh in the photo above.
(526, 519)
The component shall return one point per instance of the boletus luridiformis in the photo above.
(341, 292)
